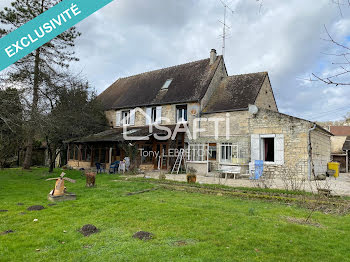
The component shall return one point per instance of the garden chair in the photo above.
(114, 167)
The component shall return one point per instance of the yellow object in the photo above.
(334, 166)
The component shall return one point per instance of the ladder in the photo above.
(177, 165)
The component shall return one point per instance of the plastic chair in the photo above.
(259, 169)
(114, 167)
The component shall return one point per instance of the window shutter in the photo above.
(279, 149)
(148, 115)
(255, 147)
(132, 117)
(159, 115)
(118, 116)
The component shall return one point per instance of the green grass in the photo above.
(215, 228)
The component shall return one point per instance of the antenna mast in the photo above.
(225, 26)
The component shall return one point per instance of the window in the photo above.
(154, 114)
(229, 153)
(197, 153)
(126, 117)
(268, 149)
(212, 151)
(166, 84)
(181, 113)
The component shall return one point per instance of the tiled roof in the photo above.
(340, 130)
(189, 84)
(236, 92)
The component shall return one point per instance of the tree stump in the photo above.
(90, 179)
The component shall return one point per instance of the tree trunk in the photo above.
(34, 109)
(52, 166)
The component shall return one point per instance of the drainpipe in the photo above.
(309, 149)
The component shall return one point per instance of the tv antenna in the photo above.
(225, 26)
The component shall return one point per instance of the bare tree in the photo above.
(74, 111)
(342, 53)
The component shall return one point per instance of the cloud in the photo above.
(282, 37)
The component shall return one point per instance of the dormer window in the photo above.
(166, 84)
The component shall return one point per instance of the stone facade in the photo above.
(218, 76)
(290, 135)
(168, 115)
(238, 133)
(266, 97)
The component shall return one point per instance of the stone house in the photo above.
(340, 146)
(220, 121)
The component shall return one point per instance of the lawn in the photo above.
(186, 226)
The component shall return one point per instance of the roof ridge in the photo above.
(262, 72)
(169, 67)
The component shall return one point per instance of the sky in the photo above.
(284, 38)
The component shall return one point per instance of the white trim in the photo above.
(268, 136)
(118, 118)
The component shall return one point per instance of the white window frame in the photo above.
(184, 112)
(167, 84)
(233, 148)
(153, 115)
(262, 148)
(193, 152)
(257, 148)
(125, 119)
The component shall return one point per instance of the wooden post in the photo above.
(92, 155)
(347, 161)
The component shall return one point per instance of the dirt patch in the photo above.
(20, 204)
(52, 204)
(7, 232)
(180, 243)
(35, 208)
(142, 191)
(302, 221)
(143, 235)
(88, 229)
(22, 213)
(3, 210)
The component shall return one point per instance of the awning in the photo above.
(127, 134)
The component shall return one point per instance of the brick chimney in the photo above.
(212, 56)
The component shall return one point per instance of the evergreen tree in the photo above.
(34, 72)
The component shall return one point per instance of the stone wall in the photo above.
(111, 117)
(217, 78)
(321, 151)
(168, 113)
(337, 143)
(293, 132)
(265, 97)
(79, 164)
